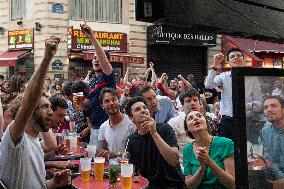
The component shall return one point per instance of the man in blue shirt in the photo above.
(161, 107)
(103, 76)
(272, 135)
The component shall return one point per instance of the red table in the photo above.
(78, 183)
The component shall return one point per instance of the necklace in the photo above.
(209, 148)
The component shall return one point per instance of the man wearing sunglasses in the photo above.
(103, 76)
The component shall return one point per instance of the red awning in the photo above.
(256, 45)
(9, 58)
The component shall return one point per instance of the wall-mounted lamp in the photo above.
(38, 26)
(2, 30)
(20, 22)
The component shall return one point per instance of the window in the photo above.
(96, 10)
(21, 9)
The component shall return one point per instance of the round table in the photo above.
(79, 184)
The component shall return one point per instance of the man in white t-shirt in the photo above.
(190, 99)
(114, 132)
(21, 155)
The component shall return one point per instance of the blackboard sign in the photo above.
(167, 35)
(57, 65)
(57, 8)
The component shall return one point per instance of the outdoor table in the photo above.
(70, 155)
(79, 184)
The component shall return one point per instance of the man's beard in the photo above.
(115, 112)
(40, 123)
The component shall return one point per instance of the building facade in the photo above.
(25, 24)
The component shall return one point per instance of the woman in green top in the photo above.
(209, 161)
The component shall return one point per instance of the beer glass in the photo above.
(80, 98)
(60, 139)
(99, 168)
(91, 148)
(126, 175)
(85, 168)
(68, 143)
(73, 143)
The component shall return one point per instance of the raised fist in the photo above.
(50, 47)
(218, 58)
(87, 31)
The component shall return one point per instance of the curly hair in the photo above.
(80, 86)
(67, 88)
(130, 103)
(16, 82)
(15, 105)
(57, 101)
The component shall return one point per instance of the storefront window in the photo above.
(21, 9)
(277, 63)
(96, 10)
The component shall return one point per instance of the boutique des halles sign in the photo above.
(21, 39)
(179, 36)
(111, 41)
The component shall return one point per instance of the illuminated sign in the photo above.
(118, 58)
(110, 41)
(21, 39)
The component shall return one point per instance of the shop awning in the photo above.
(9, 58)
(118, 57)
(256, 45)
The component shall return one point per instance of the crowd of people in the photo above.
(178, 136)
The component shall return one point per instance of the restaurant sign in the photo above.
(179, 36)
(21, 39)
(110, 41)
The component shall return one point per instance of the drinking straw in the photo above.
(125, 150)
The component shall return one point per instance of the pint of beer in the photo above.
(126, 175)
(85, 168)
(99, 168)
(126, 182)
(80, 98)
(68, 144)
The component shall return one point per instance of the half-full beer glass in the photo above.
(126, 176)
(99, 168)
(85, 168)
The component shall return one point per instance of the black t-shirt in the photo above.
(145, 154)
